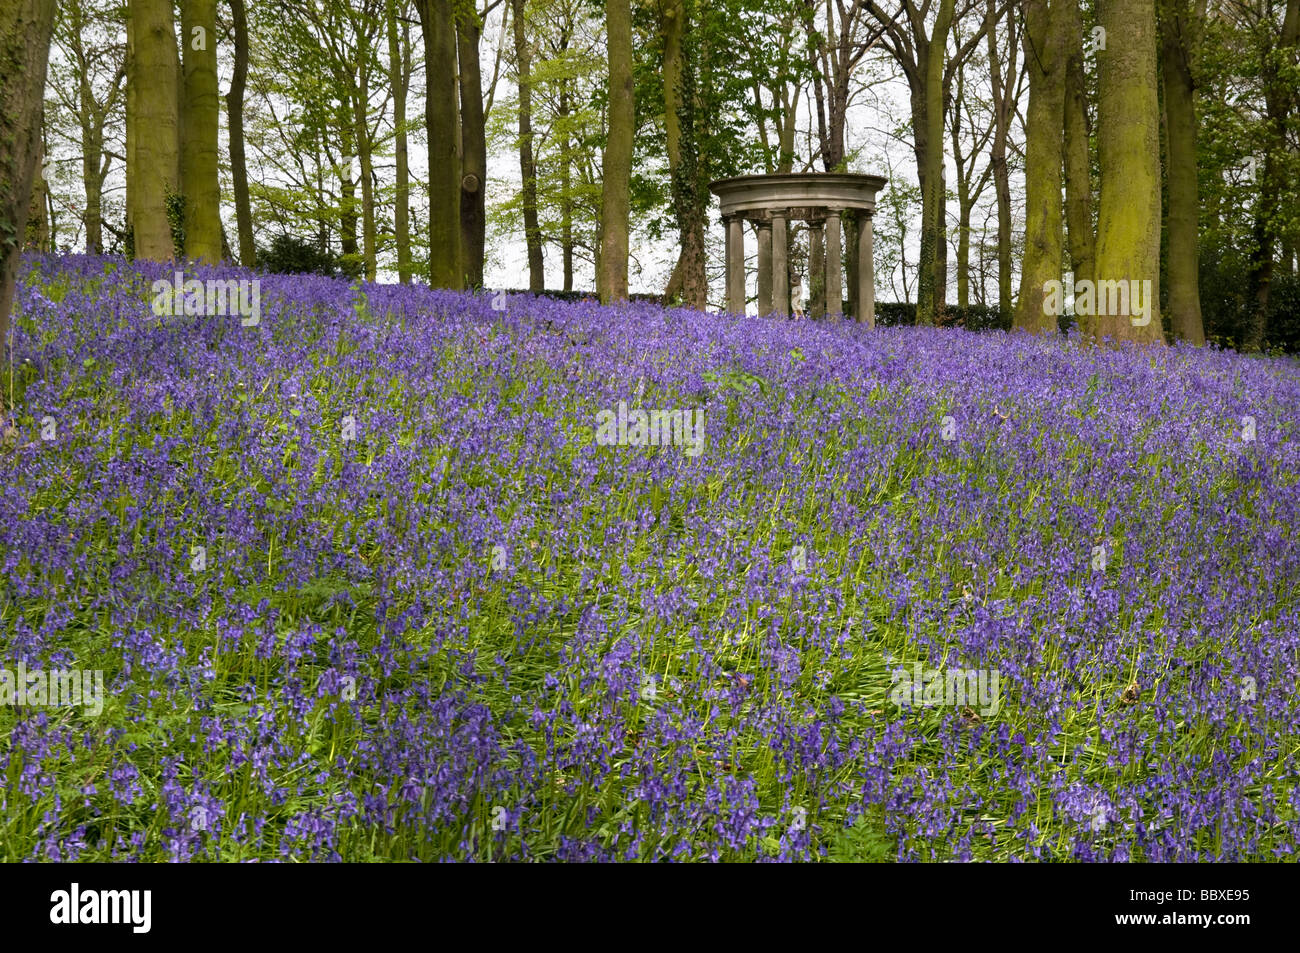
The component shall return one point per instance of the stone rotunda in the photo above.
(770, 202)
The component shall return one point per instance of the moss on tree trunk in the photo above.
(1044, 121)
(199, 131)
(1128, 117)
(155, 77)
(25, 28)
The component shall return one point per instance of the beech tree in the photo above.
(235, 120)
(1181, 27)
(25, 29)
(1128, 218)
(153, 160)
(1077, 144)
(527, 161)
(611, 268)
(399, 73)
(1044, 121)
(1005, 82)
(439, 32)
(198, 125)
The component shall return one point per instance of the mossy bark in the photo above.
(38, 237)
(25, 29)
(1044, 120)
(616, 173)
(1128, 116)
(1078, 156)
(200, 118)
(1180, 42)
(155, 77)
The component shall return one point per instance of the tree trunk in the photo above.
(37, 234)
(1003, 84)
(439, 35)
(369, 232)
(156, 82)
(967, 193)
(941, 239)
(1128, 225)
(1180, 33)
(616, 173)
(398, 78)
(201, 112)
(93, 182)
(235, 115)
(347, 188)
(566, 183)
(929, 159)
(25, 29)
(963, 255)
(683, 154)
(527, 164)
(1044, 121)
(1261, 272)
(791, 114)
(473, 179)
(1277, 96)
(132, 122)
(92, 159)
(1078, 161)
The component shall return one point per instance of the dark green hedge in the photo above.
(977, 317)
(578, 295)
(1227, 302)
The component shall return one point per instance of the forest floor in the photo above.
(389, 575)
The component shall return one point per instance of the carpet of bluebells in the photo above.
(463, 630)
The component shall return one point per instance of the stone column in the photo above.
(834, 256)
(736, 264)
(764, 268)
(780, 265)
(816, 270)
(866, 299)
(726, 262)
